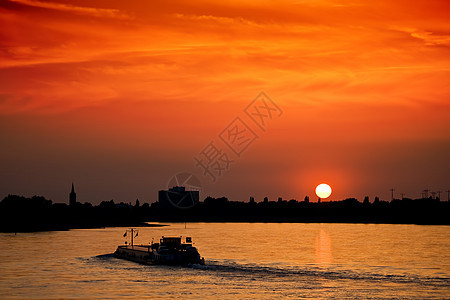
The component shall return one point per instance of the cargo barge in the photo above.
(169, 251)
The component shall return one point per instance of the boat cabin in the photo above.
(174, 242)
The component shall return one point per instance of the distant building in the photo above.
(72, 197)
(178, 197)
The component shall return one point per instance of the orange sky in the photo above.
(118, 96)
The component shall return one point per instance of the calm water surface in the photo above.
(243, 261)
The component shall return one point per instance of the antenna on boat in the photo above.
(134, 233)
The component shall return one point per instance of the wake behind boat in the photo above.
(169, 251)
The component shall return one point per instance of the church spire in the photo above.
(72, 197)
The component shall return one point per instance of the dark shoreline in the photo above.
(20, 214)
(59, 227)
(144, 224)
(375, 222)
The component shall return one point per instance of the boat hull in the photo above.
(144, 254)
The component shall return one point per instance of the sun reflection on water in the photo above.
(323, 248)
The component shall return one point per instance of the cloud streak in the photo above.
(89, 11)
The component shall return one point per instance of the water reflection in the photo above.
(244, 261)
(323, 248)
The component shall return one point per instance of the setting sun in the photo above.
(323, 190)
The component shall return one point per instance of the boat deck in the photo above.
(142, 248)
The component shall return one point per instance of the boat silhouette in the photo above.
(169, 251)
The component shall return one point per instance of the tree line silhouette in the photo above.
(19, 214)
(405, 211)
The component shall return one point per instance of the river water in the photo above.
(243, 261)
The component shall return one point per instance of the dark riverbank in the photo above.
(20, 214)
(406, 211)
(26, 227)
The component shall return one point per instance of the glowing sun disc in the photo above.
(323, 190)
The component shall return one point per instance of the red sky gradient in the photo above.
(118, 96)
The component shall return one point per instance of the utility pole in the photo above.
(392, 193)
(425, 193)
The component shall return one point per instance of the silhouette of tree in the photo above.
(366, 200)
(18, 213)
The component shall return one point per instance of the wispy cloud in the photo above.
(179, 50)
(90, 11)
(429, 37)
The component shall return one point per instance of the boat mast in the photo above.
(132, 232)
(132, 235)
